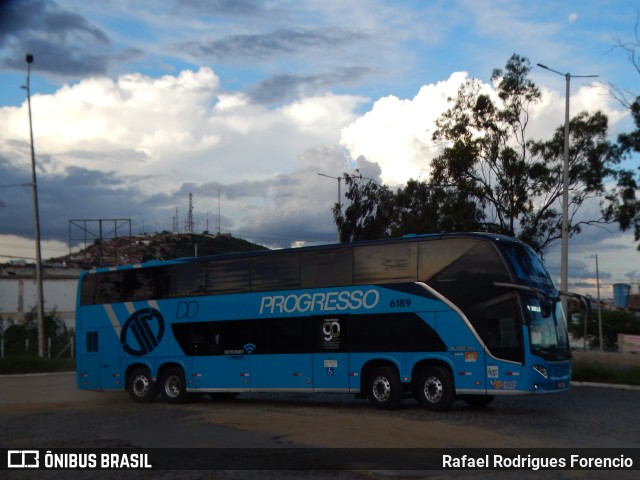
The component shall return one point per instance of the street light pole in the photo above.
(36, 220)
(339, 197)
(564, 253)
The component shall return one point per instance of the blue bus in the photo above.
(440, 317)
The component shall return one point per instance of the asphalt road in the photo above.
(47, 411)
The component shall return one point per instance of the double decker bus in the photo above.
(441, 317)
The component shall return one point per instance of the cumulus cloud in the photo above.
(135, 146)
(396, 133)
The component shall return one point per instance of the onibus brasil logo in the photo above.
(142, 332)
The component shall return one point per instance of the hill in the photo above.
(160, 246)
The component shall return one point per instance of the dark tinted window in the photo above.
(88, 289)
(227, 276)
(327, 269)
(221, 338)
(92, 342)
(182, 280)
(385, 263)
(393, 333)
(275, 272)
(502, 332)
(464, 271)
(289, 335)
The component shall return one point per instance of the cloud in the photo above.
(278, 43)
(287, 86)
(58, 39)
(396, 133)
(135, 147)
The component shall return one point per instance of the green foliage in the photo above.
(16, 334)
(590, 372)
(518, 180)
(16, 364)
(377, 212)
(491, 176)
(613, 323)
(627, 209)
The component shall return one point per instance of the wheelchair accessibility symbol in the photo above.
(330, 365)
(142, 332)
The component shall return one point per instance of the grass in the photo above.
(596, 372)
(33, 364)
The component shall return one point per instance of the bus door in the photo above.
(503, 336)
(331, 357)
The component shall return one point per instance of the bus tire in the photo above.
(478, 401)
(384, 389)
(173, 386)
(435, 389)
(141, 386)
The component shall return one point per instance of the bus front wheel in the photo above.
(384, 388)
(141, 387)
(435, 389)
(174, 388)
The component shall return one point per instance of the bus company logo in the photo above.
(316, 302)
(23, 459)
(142, 332)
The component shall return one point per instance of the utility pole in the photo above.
(564, 253)
(339, 197)
(36, 219)
(599, 307)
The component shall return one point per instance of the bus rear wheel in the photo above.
(385, 390)
(173, 386)
(141, 387)
(435, 389)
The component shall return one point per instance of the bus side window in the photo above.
(327, 269)
(501, 332)
(92, 342)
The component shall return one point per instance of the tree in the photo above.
(517, 180)
(374, 211)
(490, 176)
(613, 323)
(627, 208)
(369, 214)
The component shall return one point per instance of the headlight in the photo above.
(541, 370)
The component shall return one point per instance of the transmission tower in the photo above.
(189, 222)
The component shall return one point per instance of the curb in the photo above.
(605, 385)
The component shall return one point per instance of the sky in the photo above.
(243, 102)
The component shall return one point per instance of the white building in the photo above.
(18, 291)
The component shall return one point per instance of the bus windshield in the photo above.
(528, 267)
(547, 323)
(548, 335)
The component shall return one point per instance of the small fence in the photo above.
(66, 350)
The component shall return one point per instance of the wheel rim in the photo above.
(433, 389)
(173, 386)
(141, 386)
(381, 389)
